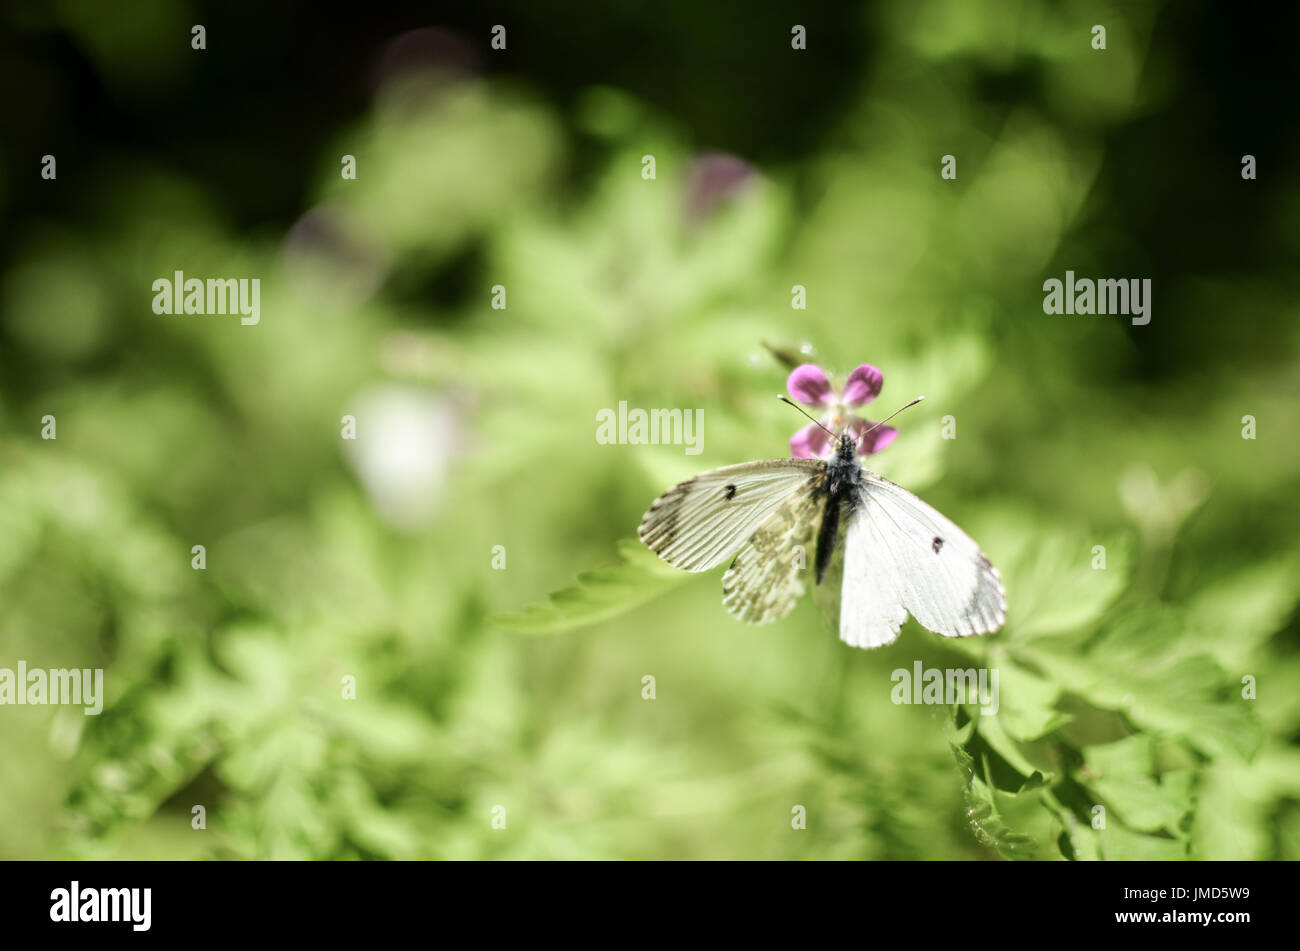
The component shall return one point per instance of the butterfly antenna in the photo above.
(888, 418)
(784, 399)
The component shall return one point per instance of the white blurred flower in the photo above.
(406, 438)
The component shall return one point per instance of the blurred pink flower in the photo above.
(713, 179)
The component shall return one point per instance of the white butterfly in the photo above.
(899, 555)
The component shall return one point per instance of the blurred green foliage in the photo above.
(1120, 687)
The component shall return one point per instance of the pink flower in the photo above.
(809, 385)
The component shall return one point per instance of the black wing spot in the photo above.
(731, 492)
(936, 544)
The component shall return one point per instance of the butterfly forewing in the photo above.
(767, 578)
(900, 555)
(700, 523)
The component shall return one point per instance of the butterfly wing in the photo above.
(901, 556)
(766, 580)
(702, 522)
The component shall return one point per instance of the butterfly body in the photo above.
(881, 553)
(843, 491)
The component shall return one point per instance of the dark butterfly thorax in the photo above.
(843, 485)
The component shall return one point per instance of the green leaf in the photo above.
(1052, 584)
(992, 731)
(1145, 805)
(1232, 617)
(600, 594)
(1027, 702)
(1078, 841)
(1122, 776)
(1238, 805)
(988, 823)
(1059, 590)
(1175, 697)
(1121, 844)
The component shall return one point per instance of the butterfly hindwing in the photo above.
(767, 578)
(871, 604)
(700, 523)
(902, 556)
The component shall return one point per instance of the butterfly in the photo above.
(880, 552)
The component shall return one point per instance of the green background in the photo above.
(328, 558)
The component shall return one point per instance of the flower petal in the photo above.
(811, 442)
(808, 384)
(863, 386)
(880, 437)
